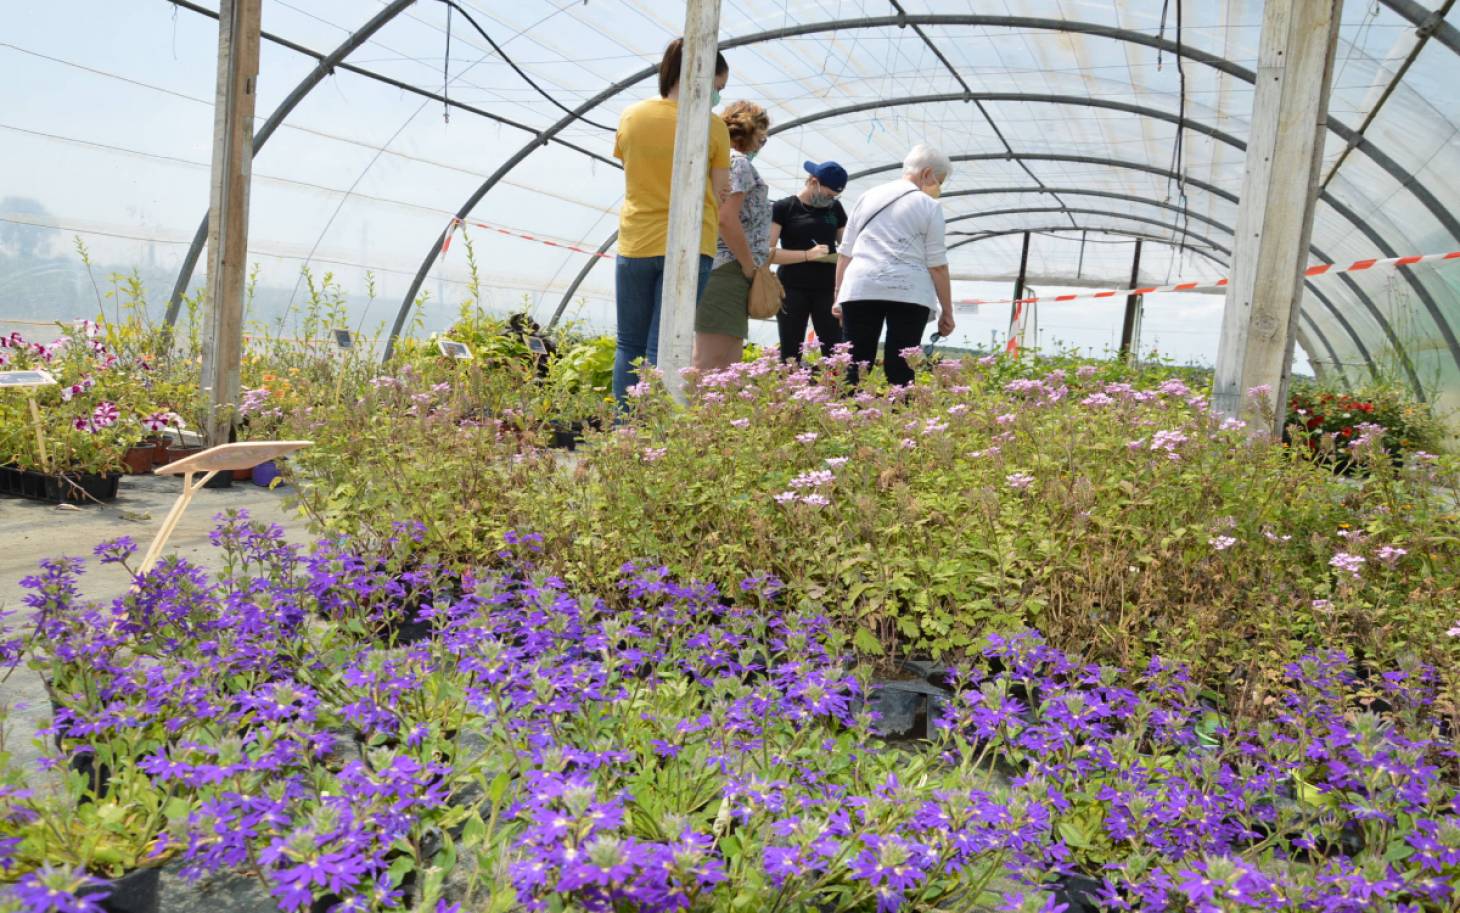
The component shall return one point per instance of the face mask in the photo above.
(715, 99)
(752, 155)
(820, 199)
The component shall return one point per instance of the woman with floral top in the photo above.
(722, 318)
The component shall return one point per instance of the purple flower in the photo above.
(115, 551)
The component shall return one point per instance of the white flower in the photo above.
(1019, 480)
(1221, 543)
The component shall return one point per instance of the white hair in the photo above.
(923, 156)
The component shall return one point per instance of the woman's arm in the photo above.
(842, 260)
(733, 233)
(720, 183)
(943, 286)
(782, 255)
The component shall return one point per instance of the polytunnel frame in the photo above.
(1428, 24)
(1313, 327)
(327, 64)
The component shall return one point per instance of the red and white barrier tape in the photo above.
(1319, 270)
(512, 233)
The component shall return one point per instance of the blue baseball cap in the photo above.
(829, 174)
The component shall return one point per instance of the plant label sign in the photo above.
(21, 379)
(536, 344)
(344, 340)
(453, 349)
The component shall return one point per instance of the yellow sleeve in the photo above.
(719, 143)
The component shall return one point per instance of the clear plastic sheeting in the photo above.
(1089, 124)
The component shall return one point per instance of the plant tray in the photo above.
(39, 486)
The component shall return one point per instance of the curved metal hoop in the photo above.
(1350, 136)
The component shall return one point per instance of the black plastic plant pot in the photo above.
(220, 480)
(1078, 893)
(75, 487)
(138, 891)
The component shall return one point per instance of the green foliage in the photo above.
(926, 542)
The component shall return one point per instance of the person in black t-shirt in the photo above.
(805, 227)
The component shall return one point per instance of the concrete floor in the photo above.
(32, 530)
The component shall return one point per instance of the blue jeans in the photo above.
(639, 288)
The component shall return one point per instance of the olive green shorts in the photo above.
(723, 308)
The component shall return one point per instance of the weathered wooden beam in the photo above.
(238, 69)
(687, 192)
(1275, 212)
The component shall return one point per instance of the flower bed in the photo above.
(691, 751)
(102, 405)
(1329, 423)
(1117, 515)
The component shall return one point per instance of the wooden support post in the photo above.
(1275, 215)
(238, 68)
(687, 192)
(1128, 335)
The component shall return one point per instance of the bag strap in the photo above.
(884, 209)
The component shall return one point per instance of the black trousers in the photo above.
(799, 306)
(863, 321)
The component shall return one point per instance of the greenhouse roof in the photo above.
(1089, 123)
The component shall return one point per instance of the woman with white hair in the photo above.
(892, 266)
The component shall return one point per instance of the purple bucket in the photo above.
(265, 473)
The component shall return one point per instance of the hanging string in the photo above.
(446, 73)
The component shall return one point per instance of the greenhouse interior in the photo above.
(730, 456)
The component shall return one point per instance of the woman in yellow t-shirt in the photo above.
(645, 144)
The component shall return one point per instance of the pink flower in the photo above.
(836, 462)
(1390, 554)
(1085, 371)
(813, 479)
(1019, 480)
(1096, 399)
(908, 443)
(1167, 440)
(1221, 543)
(650, 454)
(1323, 605)
(786, 497)
(1347, 562)
(105, 415)
(958, 408)
(1454, 632)
(1008, 418)
(816, 500)
(1261, 391)
(83, 424)
(807, 438)
(740, 423)
(1233, 424)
